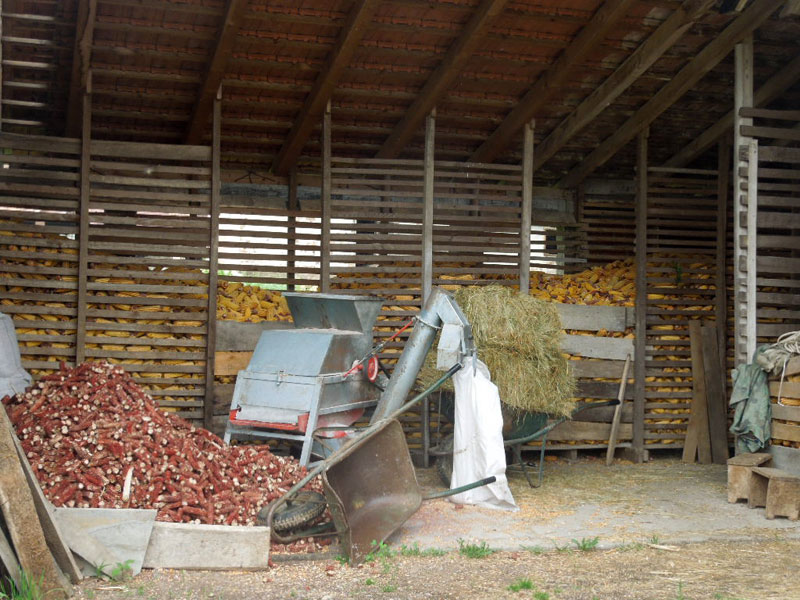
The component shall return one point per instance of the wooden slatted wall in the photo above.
(597, 342)
(770, 186)
(376, 237)
(278, 247)
(606, 209)
(39, 197)
(682, 256)
(778, 219)
(476, 218)
(476, 235)
(148, 267)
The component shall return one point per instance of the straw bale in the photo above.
(518, 337)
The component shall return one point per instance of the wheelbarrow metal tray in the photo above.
(372, 489)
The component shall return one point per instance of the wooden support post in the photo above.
(83, 223)
(752, 248)
(291, 230)
(527, 210)
(720, 300)
(641, 296)
(325, 200)
(213, 259)
(427, 207)
(743, 97)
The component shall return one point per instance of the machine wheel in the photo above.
(303, 508)
(444, 464)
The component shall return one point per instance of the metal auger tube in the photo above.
(439, 309)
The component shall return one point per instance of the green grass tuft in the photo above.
(29, 588)
(415, 550)
(521, 584)
(586, 544)
(481, 550)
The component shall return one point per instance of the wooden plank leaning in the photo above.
(715, 395)
(46, 512)
(697, 439)
(615, 421)
(19, 512)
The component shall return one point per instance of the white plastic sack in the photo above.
(478, 450)
(13, 378)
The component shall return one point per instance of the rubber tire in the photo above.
(304, 508)
(444, 464)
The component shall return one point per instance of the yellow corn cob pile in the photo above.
(235, 302)
(240, 302)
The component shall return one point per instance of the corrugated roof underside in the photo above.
(149, 61)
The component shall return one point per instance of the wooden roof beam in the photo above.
(752, 18)
(204, 105)
(661, 40)
(437, 85)
(771, 90)
(81, 60)
(342, 52)
(588, 39)
(792, 9)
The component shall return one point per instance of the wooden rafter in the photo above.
(349, 38)
(661, 40)
(792, 9)
(588, 39)
(771, 90)
(752, 18)
(204, 105)
(81, 60)
(439, 82)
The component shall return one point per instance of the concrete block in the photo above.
(206, 547)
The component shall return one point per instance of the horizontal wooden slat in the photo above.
(782, 431)
(584, 430)
(167, 152)
(595, 347)
(611, 369)
(594, 318)
(789, 389)
(230, 363)
(785, 413)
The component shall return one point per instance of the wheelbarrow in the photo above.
(370, 486)
(518, 429)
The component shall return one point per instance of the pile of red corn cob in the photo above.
(87, 430)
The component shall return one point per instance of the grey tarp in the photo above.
(753, 412)
(13, 378)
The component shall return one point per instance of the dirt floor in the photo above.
(660, 531)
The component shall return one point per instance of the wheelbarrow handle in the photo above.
(322, 465)
(463, 488)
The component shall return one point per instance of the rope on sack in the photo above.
(778, 355)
